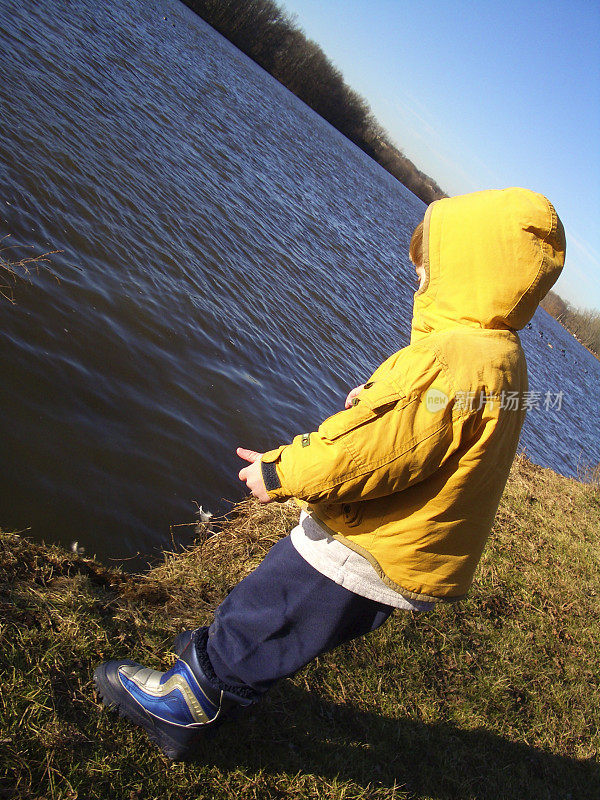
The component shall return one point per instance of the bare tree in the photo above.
(583, 323)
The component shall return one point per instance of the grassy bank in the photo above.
(497, 697)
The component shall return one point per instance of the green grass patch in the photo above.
(493, 698)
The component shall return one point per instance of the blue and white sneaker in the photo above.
(175, 708)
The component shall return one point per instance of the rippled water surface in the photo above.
(230, 265)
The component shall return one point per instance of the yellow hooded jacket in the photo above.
(412, 474)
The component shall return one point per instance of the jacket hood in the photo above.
(489, 258)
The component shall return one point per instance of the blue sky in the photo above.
(484, 94)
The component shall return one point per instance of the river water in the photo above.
(229, 267)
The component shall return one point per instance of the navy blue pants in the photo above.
(279, 618)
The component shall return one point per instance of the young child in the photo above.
(401, 487)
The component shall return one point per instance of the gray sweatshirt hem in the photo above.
(346, 567)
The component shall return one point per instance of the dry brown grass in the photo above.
(496, 698)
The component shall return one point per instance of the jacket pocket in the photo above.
(372, 402)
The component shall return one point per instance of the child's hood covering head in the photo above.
(489, 257)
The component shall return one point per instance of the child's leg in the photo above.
(275, 621)
(279, 618)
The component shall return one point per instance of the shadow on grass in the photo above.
(298, 732)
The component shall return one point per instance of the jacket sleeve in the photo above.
(402, 428)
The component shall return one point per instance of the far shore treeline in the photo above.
(262, 30)
(583, 323)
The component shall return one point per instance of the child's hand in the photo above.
(252, 475)
(351, 395)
